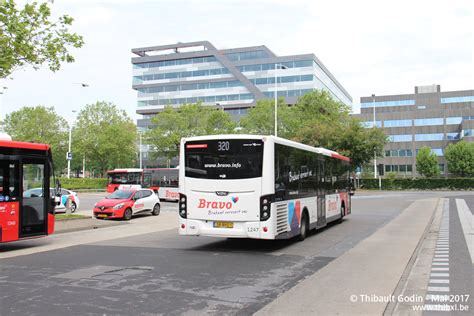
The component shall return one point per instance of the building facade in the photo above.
(429, 117)
(228, 79)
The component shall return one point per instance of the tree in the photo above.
(427, 163)
(325, 122)
(29, 37)
(261, 119)
(171, 125)
(40, 124)
(106, 136)
(460, 158)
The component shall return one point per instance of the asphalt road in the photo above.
(163, 273)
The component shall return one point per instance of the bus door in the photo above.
(35, 197)
(321, 195)
(9, 199)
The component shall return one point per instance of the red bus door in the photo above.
(35, 198)
(24, 194)
(9, 200)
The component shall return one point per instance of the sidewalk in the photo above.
(77, 224)
(137, 226)
(362, 280)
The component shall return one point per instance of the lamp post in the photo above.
(140, 149)
(276, 96)
(83, 85)
(373, 126)
(69, 157)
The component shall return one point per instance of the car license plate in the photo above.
(102, 215)
(223, 225)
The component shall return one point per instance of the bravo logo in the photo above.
(203, 203)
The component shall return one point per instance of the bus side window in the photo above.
(9, 174)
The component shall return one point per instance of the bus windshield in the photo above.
(124, 177)
(224, 159)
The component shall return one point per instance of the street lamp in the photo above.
(140, 149)
(276, 96)
(69, 154)
(373, 126)
(83, 85)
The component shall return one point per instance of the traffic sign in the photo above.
(69, 155)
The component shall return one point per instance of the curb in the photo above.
(79, 224)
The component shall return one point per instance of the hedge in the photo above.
(83, 183)
(420, 184)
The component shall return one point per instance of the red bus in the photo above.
(124, 179)
(163, 181)
(25, 166)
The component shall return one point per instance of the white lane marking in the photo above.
(440, 263)
(467, 223)
(439, 269)
(441, 256)
(442, 251)
(439, 274)
(438, 288)
(439, 281)
(440, 259)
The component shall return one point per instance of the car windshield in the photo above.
(120, 195)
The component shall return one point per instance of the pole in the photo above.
(373, 126)
(84, 166)
(140, 151)
(69, 160)
(276, 102)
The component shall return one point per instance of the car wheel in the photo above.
(73, 207)
(156, 210)
(304, 228)
(127, 215)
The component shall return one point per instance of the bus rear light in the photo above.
(265, 229)
(265, 203)
(182, 206)
(183, 226)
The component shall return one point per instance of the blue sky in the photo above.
(376, 47)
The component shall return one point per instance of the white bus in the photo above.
(264, 187)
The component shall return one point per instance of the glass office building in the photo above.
(228, 79)
(428, 117)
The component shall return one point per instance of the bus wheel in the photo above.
(343, 209)
(304, 228)
(127, 215)
(156, 210)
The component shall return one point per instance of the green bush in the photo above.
(83, 183)
(420, 184)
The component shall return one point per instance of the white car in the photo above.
(68, 198)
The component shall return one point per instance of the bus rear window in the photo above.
(224, 159)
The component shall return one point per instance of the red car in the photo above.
(126, 203)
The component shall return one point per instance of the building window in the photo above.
(370, 124)
(429, 121)
(400, 138)
(458, 99)
(397, 123)
(453, 120)
(387, 103)
(429, 137)
(452, 136)
(468, 132)
(399, 153)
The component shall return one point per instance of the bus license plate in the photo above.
(102, 215)
(223, 225)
